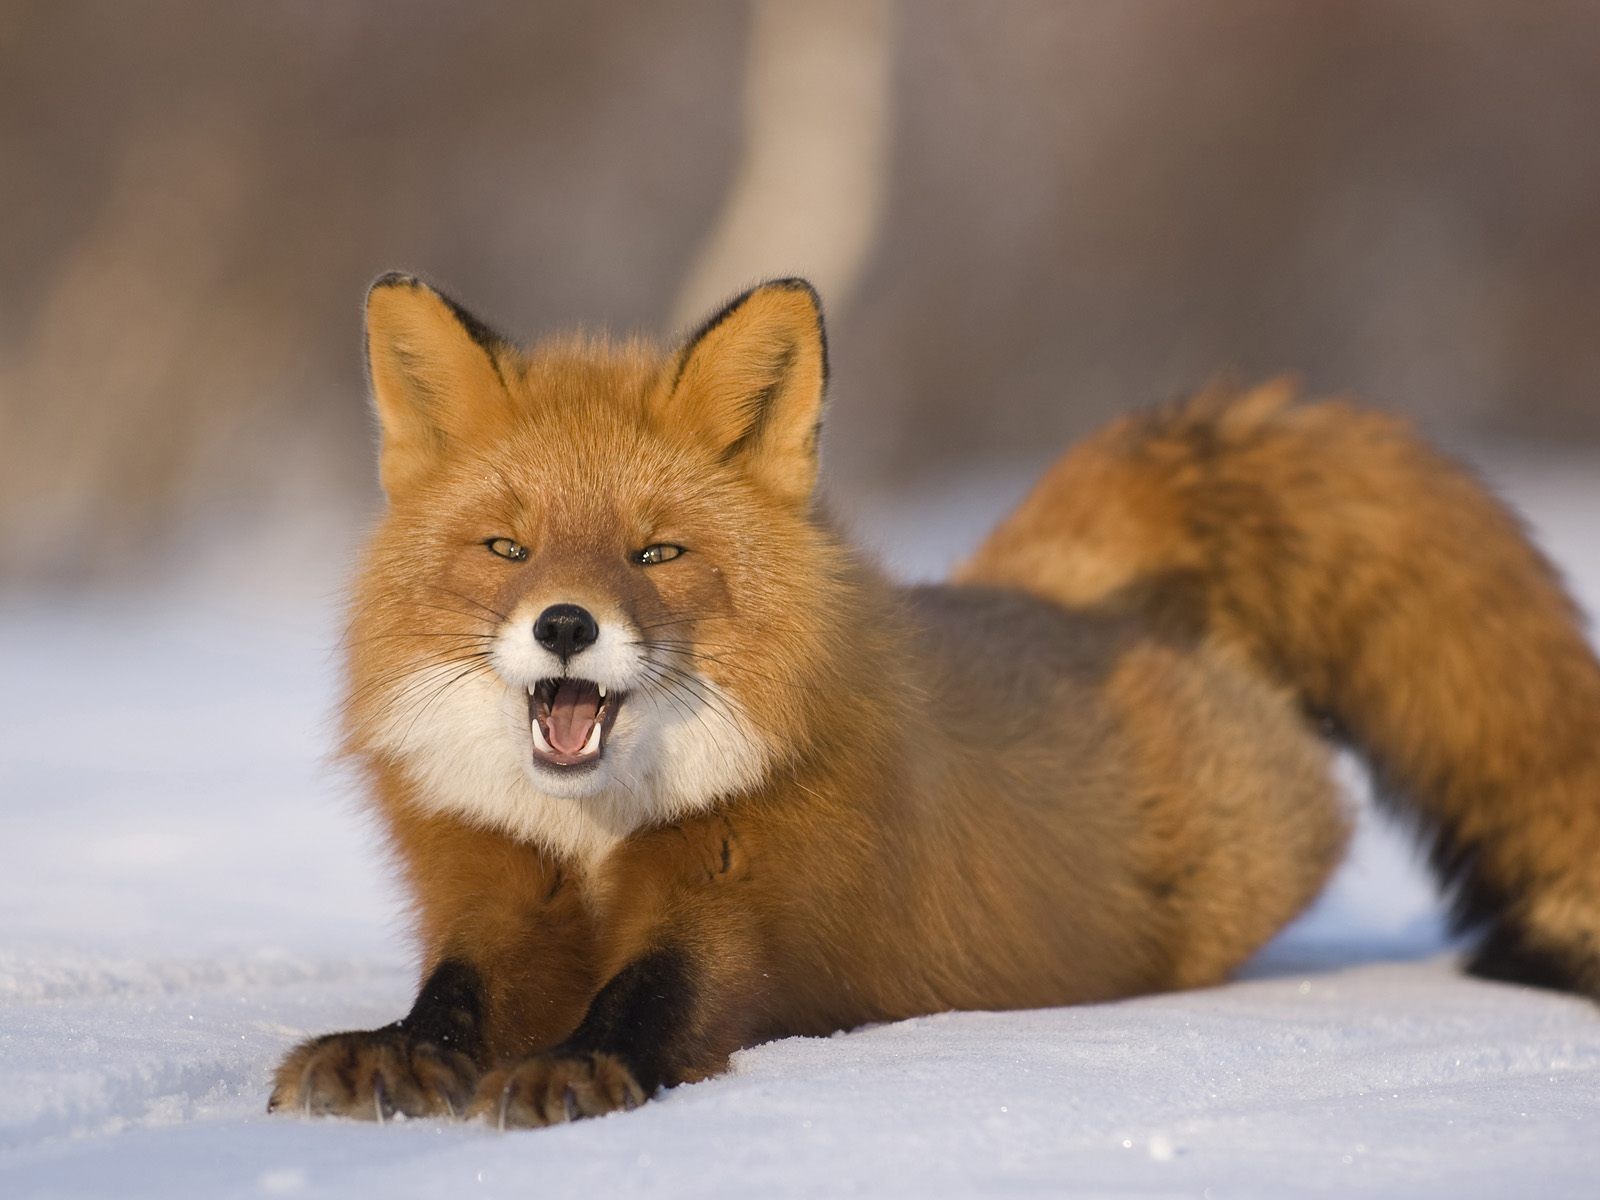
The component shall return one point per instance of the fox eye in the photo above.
(506, 548)
(659, 553)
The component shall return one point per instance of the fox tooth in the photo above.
(540, 740)
(593, 744)
(602, 688)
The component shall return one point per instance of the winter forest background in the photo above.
(1024, 217)
(1039, 212)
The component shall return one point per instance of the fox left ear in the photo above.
(751, 381)
(435, 371)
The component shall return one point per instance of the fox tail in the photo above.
(1388, 589)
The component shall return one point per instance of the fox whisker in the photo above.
(476, 603)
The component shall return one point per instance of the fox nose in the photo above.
(565, 630)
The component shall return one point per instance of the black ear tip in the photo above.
(391, 279)
(476, 329)
(796, 284)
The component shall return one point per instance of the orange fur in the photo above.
(1089, 768)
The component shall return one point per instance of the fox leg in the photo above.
(681, 959)
(630, 1043)
(507, 935)
(674, 1014)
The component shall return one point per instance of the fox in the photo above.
(669, 769)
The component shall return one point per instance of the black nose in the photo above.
(565, 629)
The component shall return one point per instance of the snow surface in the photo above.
(188, 887)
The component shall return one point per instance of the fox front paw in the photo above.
(372, 1075)
(548, 1089)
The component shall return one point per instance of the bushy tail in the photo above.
(1396, 596)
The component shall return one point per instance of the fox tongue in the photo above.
(573, 711)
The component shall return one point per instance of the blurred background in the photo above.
(1024, 217)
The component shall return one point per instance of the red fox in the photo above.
(670, 770)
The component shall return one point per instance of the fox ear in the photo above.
(435, 371)
(751, 381)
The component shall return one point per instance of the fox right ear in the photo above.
(435, 371)
(751, 382)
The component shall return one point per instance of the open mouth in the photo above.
(570, 720)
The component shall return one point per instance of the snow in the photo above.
(189, 887)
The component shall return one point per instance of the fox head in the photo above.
(598, 598)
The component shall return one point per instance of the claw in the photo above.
(378, 1098)
(505, 1100)
(569, 1102)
